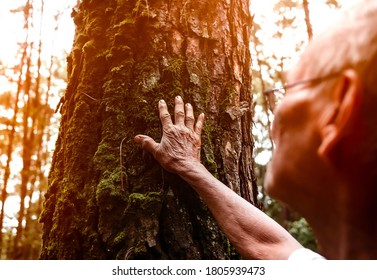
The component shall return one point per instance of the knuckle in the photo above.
(165, 115)
(190, 118)
(173, 133)
(179, 113)
(144, 143)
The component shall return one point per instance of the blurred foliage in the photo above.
(333, 4)
(301, 230)
(268, 68)
(32, 79)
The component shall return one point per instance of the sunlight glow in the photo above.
(13, 23)
(263, 158)
(56, 44)
(11, 208)
(57, 41)
(321, 17)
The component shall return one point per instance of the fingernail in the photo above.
(179, 98)
(188, 105)
(162, 101)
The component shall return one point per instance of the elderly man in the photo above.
(325, 161)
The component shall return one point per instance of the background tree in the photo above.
(13, 123)
(25, 132)
(108, 199)
(309, 28)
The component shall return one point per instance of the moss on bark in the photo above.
(107, 199)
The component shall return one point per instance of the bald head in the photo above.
(350, 43)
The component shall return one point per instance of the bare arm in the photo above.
(253, 233)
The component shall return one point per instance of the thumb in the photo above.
(147, 143)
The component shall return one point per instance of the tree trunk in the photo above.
(109, 200)
(309, 29)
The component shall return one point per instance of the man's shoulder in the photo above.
(305, 254)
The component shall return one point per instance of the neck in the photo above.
(347, 229)
(347, 241)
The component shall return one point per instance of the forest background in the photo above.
(37, 37)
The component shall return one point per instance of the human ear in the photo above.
(344, 112)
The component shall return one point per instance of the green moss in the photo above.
(205, 84)
(143, 9)
(119, 53)
(105, 157)
(125, 22)
(111, 184)
(148, 76)
(140, 249)
(120, 238)
(208, 149)
(117, 69)
(175, 67)
(228, 98)
(195, 79)
(144, 199)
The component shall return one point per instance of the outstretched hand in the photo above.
(179, 147)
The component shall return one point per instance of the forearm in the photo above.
(253, 233)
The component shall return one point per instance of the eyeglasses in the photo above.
(303, 83)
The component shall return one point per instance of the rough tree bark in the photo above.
(107, 199)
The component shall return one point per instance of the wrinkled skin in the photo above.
(181, 141)
(179, 152)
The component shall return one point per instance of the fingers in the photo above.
(179, 112)
(199, 124)
(190, 120)
(147, 143)
(183, 115)
(164, 114)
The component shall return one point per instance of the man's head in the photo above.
(325, 133)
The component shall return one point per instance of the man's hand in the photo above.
(180, 143)
(253, 233)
